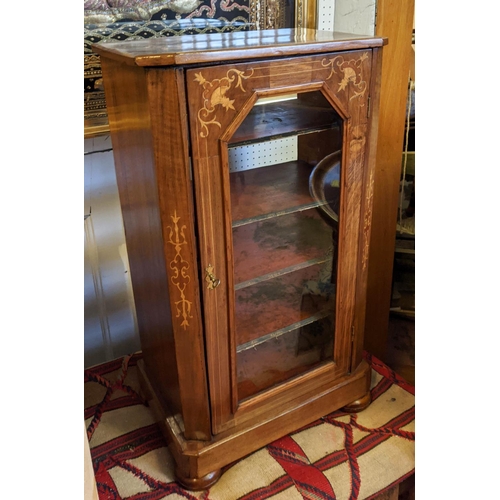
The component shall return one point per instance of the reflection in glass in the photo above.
(285, 233)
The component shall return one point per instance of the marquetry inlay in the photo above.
(351, 71)
(214, 94)
(180, 277)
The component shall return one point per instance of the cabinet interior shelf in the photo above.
(269, 246)
(272, 208)
(283, 299)
(272, 191)
(282, 272)
(272, 215)
(282, 331)
(282, 119)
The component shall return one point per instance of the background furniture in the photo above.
(395, 20)
(120, 20)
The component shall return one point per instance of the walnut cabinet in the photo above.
(245, 168)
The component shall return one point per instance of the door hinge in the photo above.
(368, 111)
(190, 170)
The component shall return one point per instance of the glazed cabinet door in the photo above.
(278, 152)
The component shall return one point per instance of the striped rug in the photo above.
(340, 456)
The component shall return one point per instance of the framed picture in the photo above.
(121, 20)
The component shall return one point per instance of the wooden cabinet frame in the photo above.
(174, 110)
(210, 138)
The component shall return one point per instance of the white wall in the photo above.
(347, 16)
(110, 329)
(355, 16)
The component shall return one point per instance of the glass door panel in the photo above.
(285, 217)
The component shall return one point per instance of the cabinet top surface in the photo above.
(218, 47)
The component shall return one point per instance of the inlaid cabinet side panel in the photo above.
(365, 223)
(167, 105)
(130, 127)
(349, 81)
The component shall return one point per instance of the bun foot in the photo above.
(358, 405)
(197, 483)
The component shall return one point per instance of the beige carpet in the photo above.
(339, 456)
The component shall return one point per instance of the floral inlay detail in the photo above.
(180, 278)
(214, 94)
(350, 71)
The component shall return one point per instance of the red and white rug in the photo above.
(340, 456)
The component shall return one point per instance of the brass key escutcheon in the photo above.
(212, 281)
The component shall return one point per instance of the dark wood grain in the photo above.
(272, 245)
(266, 364)
(269, 190)
(214, 252)
(395, 21)
(266, 121)
(168, 308)
(194, 49)
(365, 229)
(199, 459)
(133, 145)
(273, 304)
(213, 255)
(173, 177)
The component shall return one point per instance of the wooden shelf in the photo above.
(266, 192)
(264, 248)
(283, 119)
(283, 271)
(285, 355)
(283, 331)
(282, 301)
(281, 244)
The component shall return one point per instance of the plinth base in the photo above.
(199, 463)
(197, 483)
(359, 405)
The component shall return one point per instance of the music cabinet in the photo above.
(248, 265)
